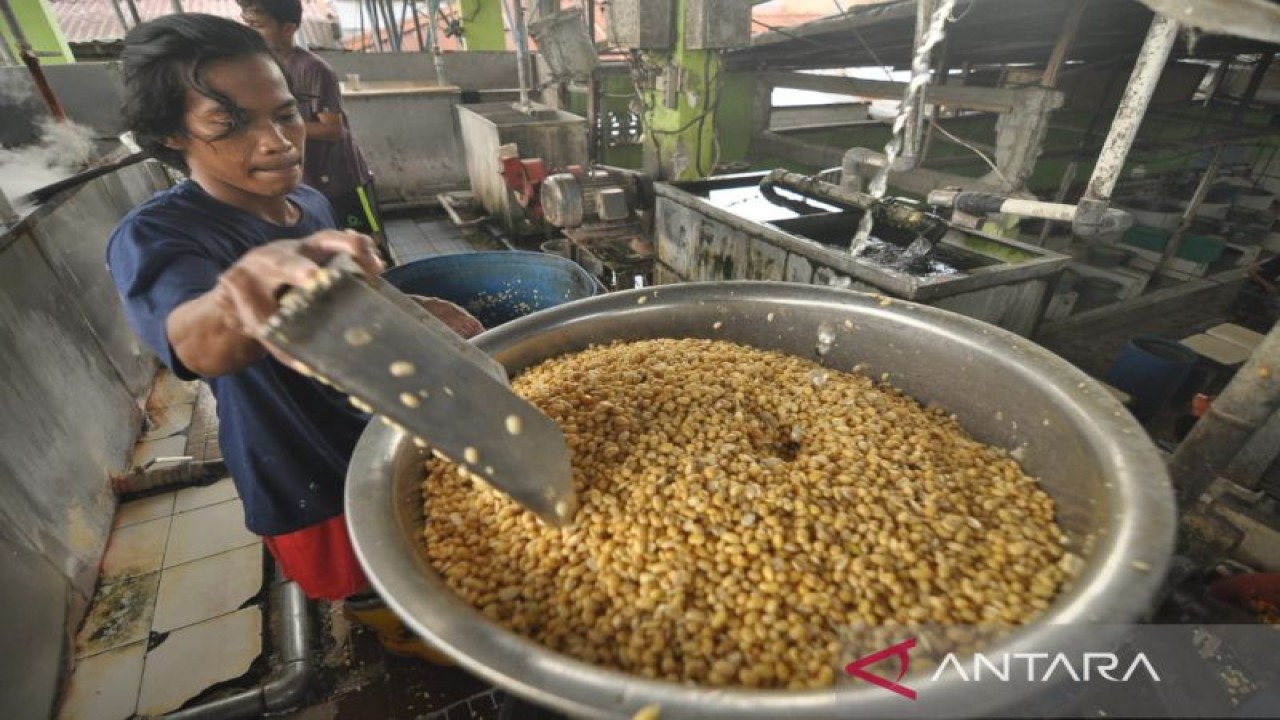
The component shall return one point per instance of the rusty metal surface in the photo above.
(701, 242)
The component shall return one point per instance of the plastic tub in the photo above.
(1151, 369)
(496, 287)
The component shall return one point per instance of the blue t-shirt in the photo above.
(286, 438)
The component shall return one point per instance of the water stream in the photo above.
(915, 87)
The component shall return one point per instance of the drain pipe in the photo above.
(167, 472)
(1242, 409)
(288, 684)
(1124, 127)
(515, 20)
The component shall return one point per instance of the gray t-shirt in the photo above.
(333, 168)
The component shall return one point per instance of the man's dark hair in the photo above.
(164, 58)
(282, 11)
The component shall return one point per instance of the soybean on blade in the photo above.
(373, 342)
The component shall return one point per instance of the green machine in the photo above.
(676, 67)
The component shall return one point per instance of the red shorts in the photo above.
(320, 559)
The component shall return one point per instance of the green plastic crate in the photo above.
(1196, 248)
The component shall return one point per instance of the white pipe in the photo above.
(288, 685)
(515, 21)
(1133, 106)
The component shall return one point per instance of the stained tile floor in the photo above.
(182, 610)
(179, 605)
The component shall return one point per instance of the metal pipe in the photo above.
(412, 5)
(6, 57)
(124, 24)
(979, 204)
(515, 21)
(1066, 37)
(42, 83)
(1216, 82)
(815, 188)
(1244, 407)
(1247, 467)
(595, 145)
(1193, 206)
(1255, 82)
(437, 56)
(375, 23)
(289, 683)
(15, 28)
(133, 12)
(1124, 128)
(393, 29)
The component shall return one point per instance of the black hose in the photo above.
(767, 189)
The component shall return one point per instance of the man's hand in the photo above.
(217, 333)
(458, 320)
(250, 290)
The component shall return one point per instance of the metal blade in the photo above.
(369, 340)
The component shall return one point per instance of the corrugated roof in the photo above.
(95, 21)
(983, 32)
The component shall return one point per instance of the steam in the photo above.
(16, 88)
(62, 150)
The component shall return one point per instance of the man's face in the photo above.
(253, 149)
(278, 36)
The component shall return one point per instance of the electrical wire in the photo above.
(872, 53)
(971, 147)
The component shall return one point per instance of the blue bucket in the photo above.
(1151, 370)
(496, 287)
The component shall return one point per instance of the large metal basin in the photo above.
(1113, 492)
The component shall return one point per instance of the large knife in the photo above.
(373, 342)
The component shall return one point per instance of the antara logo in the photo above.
(1005, 667)
(856, 668)
(1092, 666)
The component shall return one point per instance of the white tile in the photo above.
(168, 421)
(196, 657)
(207, 531)
(198, 497)
(149, 508)
(206, 588)
(120, 615)
(135, 550)
(170, 447)
(105, 686)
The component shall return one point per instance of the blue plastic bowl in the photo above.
(496, 287)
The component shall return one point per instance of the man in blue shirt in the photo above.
(199, 268)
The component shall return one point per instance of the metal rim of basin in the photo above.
(1116, 587)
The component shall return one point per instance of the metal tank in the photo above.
(723, 228)
(1113, 493)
